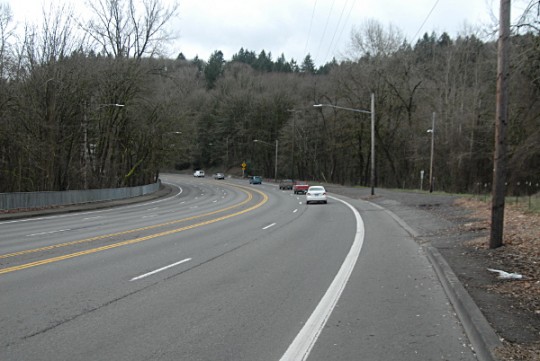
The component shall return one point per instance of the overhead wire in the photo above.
(342, 29)
(336, 30)
(324, 31)
(310, 26)
(425, 20)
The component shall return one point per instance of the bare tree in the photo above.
(530, 18)
(372, 39)
(6, 34)
(128, 28)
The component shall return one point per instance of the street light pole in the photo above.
(372, 112)
(293, 139)
(372, 144)
(275, 171)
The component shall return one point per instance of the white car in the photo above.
(316, 194)
(199, 173)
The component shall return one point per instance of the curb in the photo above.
(483, 338)
(481, 335)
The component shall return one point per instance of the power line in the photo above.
(425, 20)
(325, 27)
(310, 25)
(336, 30)
(343, 28)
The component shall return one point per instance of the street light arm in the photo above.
(344, 108)
(110, 105)
(262, 141)
(372, 112)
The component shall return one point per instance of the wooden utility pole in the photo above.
(501, 122)
(432, 131)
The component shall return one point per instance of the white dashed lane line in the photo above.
(160, 269)
(270, 225)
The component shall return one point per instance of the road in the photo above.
(222, 270)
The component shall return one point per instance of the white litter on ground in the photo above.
(505, 275)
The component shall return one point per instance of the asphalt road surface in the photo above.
(222, 270)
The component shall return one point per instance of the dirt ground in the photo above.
(512, 306)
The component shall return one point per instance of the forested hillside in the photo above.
(99, 109)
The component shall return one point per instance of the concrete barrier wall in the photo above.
(31, 200)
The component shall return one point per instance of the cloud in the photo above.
(292, 27)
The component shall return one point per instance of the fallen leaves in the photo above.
(520, 254)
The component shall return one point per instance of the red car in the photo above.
(300, 187)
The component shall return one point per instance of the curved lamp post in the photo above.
(276, 162)
(372, 112)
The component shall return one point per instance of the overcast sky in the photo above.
(321, 28)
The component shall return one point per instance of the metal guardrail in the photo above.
(32, 200)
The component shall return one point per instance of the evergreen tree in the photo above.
(245, 56)
(264, 62)
(308, 66)
(214, 68)
(326, 68)
(198, 63)
(444, 40)
(294, 66)
(281, 65)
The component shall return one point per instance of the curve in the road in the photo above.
(305, 340)
(135, 240)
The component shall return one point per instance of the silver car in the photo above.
(316, 194)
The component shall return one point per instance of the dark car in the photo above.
(255, 180)
(286, 184)
(219, 176)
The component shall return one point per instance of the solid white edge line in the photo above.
(305, 340)
(160, 269)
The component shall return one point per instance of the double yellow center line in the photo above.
(134, 240)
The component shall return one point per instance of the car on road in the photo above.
(219, 176)
(199, 173)
(286, 184)
(316, 194)
(300, 187)
(255, 180)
